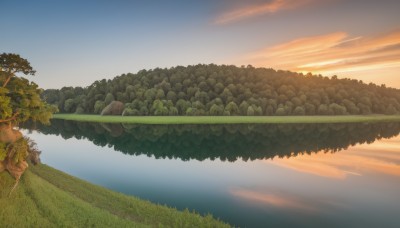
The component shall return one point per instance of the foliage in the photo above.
(10, 64)
(18, 151)
(49, 198)
(20, 99)
(5, 107)
(228, 90)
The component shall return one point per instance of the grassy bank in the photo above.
(227, 119)
(47, 197)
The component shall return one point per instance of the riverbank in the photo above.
(228, 119)
(46, 197)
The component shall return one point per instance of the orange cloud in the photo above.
(271, 199)
(333, 53)
(256, 10)
(381, 157)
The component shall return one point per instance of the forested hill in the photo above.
(227, 90)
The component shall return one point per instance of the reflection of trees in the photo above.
(227, 142)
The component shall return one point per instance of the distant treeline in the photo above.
(227, 90)
(226, 142)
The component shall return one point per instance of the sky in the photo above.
(75, 42)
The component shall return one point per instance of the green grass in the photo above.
(46, 197)
(228, 119)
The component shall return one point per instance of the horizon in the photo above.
(73, 43)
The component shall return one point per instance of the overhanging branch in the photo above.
(10, 74)
(10, 119)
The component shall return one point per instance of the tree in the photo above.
(299, 111)
(269, 111)
(257, 110)
(250, 111)
(19, 102)
(280, 111)
(150, 94)
(99, 106)
(310, 109)
(160, 94)
(337, 109)
(20, 99)
(10, 64)
(171, 95)
(144, 111)
(216, 110)
(391, 110)
(182, 106)
(109, 98)
(159, 109)
(173, 111)
(79, 110)
(68, 105)
(243, 108)
(323, 109)
(232, 108)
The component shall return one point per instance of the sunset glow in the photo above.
(75, 43)
(358, 161)
(260, 9)
(227, 113)
(333, 53)
(275, 200)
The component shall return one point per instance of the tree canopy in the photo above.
(19, 98)
(19, 102)
(227, 90)
(10, 64)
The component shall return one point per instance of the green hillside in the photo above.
(47, 197)
(214, 90)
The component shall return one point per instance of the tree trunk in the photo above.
(10, 74)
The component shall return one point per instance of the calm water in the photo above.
(297, 175)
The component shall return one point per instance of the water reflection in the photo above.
(233, 142)
(381, 157)
(274, 199)
(306, 184)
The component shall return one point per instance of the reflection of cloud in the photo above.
(315, 164)
(255, 10)
(332, 53)
(271, 199)
(380, 157)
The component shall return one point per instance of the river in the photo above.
(264, 175)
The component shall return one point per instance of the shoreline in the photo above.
(52, 198)
(229, 119)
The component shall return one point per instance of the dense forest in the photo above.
(227, 90)
(225, 142)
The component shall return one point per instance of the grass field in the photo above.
(228, 119)
(46, 197)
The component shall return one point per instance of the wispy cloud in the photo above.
(333, 53)
(260, 9)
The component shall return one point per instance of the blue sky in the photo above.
(73, 43)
